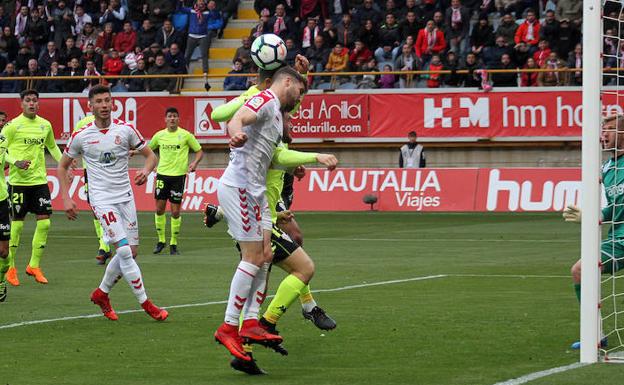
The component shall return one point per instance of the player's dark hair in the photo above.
(97, 90)
(171, 110)
(25, 93)
(288, 71)
(411, 133)
(267, 74)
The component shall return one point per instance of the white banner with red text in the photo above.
(457, 189)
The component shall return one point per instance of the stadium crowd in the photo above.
(123, 37)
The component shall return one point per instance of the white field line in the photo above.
(540, 374)
(70, 318)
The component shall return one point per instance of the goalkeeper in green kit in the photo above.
(612, 248)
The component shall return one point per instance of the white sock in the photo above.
(240, 291)
(131, 272)
(110, 275)
(257, 293)
(308, 306)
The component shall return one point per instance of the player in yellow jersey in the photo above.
(173, 144)
(27, 137)
(104, 252)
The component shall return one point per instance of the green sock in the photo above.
(99, 231)
(287, 293)
(577, 290)
(16, 233)
(4, 266)
(39, 241)
(161, 222)
(307, 300)
(176, 223)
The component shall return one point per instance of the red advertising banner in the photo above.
(506, 189)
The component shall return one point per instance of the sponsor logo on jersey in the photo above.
(44, 202)
(108, 158)
(35, 141)
(170, 147)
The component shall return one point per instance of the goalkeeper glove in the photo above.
(572, 213)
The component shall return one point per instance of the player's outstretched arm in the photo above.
(291, 158)
(63, 172)
(151, 160)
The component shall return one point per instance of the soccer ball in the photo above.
(268, 51)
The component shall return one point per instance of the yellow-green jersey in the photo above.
(173, 147)
(3, 151)
(83, 122)
(27, 139)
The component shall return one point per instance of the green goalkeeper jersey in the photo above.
(27, 139)
(613, 182)
(173, 147)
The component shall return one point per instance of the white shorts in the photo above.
(119, 221)
(246, 214)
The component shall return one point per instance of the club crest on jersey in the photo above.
(117, 139)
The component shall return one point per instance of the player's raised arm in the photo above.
(151, 160)
(243, 117)
(63, 171)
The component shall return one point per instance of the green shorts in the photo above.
(612, 255)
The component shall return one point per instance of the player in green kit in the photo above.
(173, 144)
(612, 248)
(27, 136)
(104, 252)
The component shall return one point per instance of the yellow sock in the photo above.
(287, 293)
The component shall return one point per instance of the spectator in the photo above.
(20, 25)
(126, 40)
(346, 30)
(507, 29)
(215, 21)
(73, 70)
(313, 8)
(406, 61)
(391, 7)
(105, 40)
(150, 55)
(160, 68)
(575, 60)
(528, 32)
(9, 86)
(360, 55)
(482, 36)
(542, 53)
(430, 41)
(261, 5)
(553, 78)
(486, 8)
(369, 35)
(521, 53)
(529, 79)
(452, 64)
(367, 12)
(132, 59)
(91, 55)
(88, 36)
(280, 24)
(33, 70)
(228, 9)
(309, 33)
(147, 35)
(338, 59)
(505, 79)
(506, 6)
(330, 33)
(492, 55)
(198, 33)
(62, 20)
(5, 19)
(385, 55)
(263, 25)
(51, 54)
(175, 59)
(387, 80)
(318, 55)
(168, 35)
(458, 23)
(9, 44)
(158, 11)
(235, 83)
(69, 52)
(472, 78)
(369, 80)
(438, 20)
(570, 9)
(412, 154)
(389, 31)
(21, 60)
(244, 53)
(410, 26)
(549, 30)
(114, 13)
(137, 12)
(37, 31)
(53, 85)
(80, 19)
(291, 53)
(411, 6)
(113, 65)
(136, 84)
(569, 37)
(90, 70)
(434, 79)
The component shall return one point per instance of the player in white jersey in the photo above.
(255, 130)
(105, 146)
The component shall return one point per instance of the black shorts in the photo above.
(281, 244)
(169, 188)
(5, 220)
(34, 199)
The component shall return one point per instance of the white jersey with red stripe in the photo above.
(249, 164)
(106, 153)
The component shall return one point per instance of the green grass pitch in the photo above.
(498, 303)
